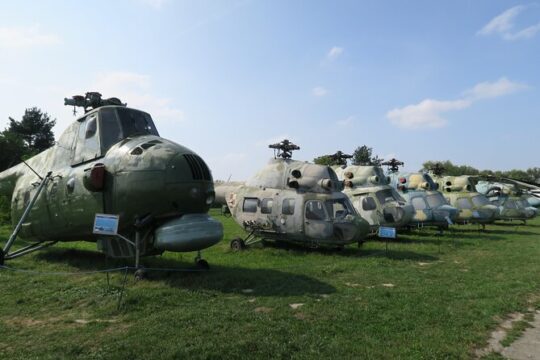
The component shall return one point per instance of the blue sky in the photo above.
(418, 80)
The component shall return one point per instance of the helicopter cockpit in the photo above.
(97, 131)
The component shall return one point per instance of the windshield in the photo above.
(480, 200)
(339, 208)
(418, 203)
(464, 203)
(435, 200)
(118, 123)
(387, 195)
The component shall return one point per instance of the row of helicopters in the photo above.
(112, 162)
(395, 199)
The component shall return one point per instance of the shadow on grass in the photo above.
(353, 252)
(225, 279)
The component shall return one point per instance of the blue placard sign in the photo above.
(387, 232)
(106, 224)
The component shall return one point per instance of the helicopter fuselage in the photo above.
(113, 161)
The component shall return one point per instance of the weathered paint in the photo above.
(145, 176)
(285, 181)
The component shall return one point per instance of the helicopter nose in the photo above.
(355, 230)
(445, 212)
(489, 212)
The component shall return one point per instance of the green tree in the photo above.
(362, 155)
(325, 160)
(35, 129)
(12, 148)
(25, 138)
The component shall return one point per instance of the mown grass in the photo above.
(426, 297)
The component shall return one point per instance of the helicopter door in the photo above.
(317, 223)
(367, 208)
(82, 204)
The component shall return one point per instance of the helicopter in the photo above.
(430, 207)
(461, 193)
(371, 195)
(110, 167)
(508, 196)
(290, 201)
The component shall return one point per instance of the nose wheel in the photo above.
(238, 244)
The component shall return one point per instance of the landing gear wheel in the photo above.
(237, 244)
(2, 257)
(140, 274)
(202, 264)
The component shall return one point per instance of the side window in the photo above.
(110, 130)
(368, 203)
(287, 207)
(418, 203)
(315, 210)
(464, 203)
(266, 206)
(250, 205)
(87, 145)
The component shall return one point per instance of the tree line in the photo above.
(363, 155)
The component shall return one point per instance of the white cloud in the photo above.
(334, 53)
(319, 91)
(428, 112)
(135, 89)
(526, 33)
(26, 37)
(346, 122)
(501, 87)
(504, 24)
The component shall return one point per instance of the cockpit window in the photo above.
(435, 200)
(464, 203)
(419, 203)
(111, 132)
(87, 144)
(510, 204)
(136, 122)
(387, 195)
(339, 208)
(91, 128)
(480, 200)
(315, 210)
(119, 123)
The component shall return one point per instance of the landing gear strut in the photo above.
(201, 263)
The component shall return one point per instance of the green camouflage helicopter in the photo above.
(419, 190)
(153, 194)
(509, 198)
(461, 193)
(371, 195)
(292, 201)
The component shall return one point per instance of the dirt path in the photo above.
(527, 347)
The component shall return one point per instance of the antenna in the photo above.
(91, 100)
(393, 165)
(284, 149)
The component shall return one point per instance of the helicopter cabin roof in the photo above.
(292, 174)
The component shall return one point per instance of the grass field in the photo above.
(426, 297)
